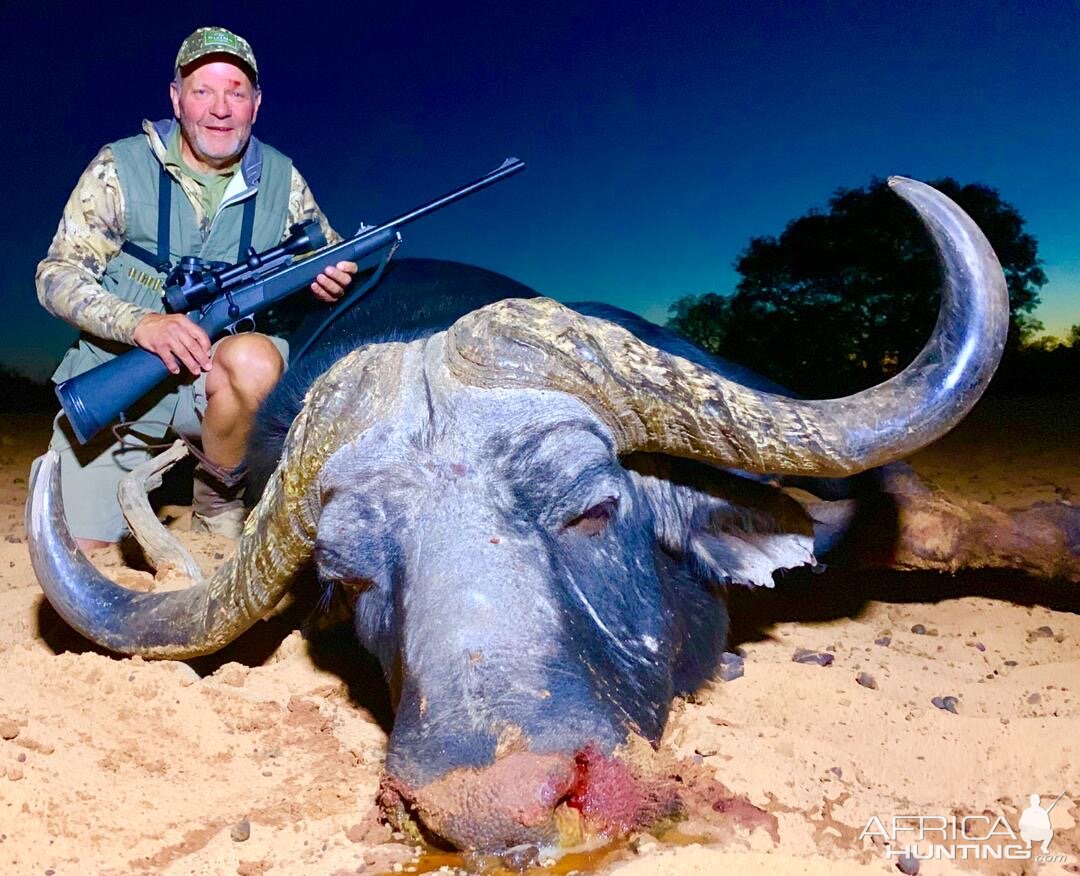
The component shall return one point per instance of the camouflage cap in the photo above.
(216, 41)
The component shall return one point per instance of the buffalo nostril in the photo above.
(508, 803)
(616, 796)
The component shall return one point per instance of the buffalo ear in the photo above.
(728, 527)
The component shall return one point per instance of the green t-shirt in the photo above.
(211, 185)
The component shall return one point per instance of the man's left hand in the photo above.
(330, 285)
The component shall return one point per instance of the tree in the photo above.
(846, 297)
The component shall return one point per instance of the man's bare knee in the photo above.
(248, 365)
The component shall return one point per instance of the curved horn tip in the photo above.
(40, 471)
(902, 184)
(907, 188)
(50, 457)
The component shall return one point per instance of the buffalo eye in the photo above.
(596, 518)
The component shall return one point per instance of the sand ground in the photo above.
(267, 758)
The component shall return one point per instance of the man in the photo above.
(198, 184)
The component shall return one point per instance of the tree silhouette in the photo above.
(846, 297)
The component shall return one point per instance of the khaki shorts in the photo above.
(90, 473)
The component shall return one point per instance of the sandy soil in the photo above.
(267, 758)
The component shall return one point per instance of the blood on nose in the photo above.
(616, 798)
(541, 799)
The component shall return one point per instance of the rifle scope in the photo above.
(194, 282)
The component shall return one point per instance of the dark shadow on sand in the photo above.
(803, 597)
(332, 646)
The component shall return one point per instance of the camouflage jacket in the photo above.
(91, 232)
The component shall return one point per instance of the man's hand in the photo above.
(330, 285)
(176, 340)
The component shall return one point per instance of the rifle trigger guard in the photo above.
(247, 324)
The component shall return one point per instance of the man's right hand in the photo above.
(176, 340)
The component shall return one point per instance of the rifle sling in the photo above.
(342, 307)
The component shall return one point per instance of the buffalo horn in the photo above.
(278, 536)
(661, 403)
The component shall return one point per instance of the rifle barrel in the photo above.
(507, 168)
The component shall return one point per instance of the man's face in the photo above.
(216, 106)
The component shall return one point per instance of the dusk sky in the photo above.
(659, 137)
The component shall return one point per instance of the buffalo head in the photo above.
(533, 515)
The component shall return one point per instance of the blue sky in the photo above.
(659, 139)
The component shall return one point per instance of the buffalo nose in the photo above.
(490, 808)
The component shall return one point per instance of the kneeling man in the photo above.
(198, 184)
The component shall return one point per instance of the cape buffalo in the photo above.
(535, 512)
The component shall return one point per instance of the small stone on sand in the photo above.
(805, 655)
(731, 666)
(947, 703)
(908, 865)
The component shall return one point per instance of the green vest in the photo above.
(263, 170)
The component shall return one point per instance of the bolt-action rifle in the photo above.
(217, 298)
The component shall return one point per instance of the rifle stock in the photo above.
(99, 396)
(96, 397)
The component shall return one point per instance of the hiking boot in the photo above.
(218, 501)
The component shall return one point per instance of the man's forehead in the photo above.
(216, 71)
